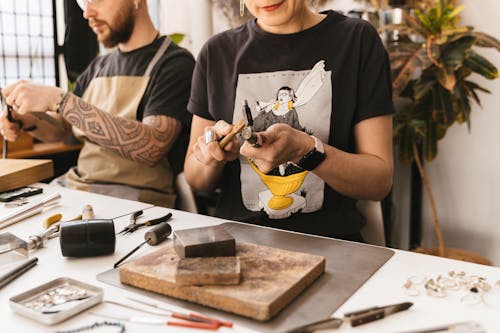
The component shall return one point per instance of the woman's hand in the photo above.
(279, 144)
(207, 150)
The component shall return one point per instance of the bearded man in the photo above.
(128, 108)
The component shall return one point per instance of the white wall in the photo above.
(192, 18)
(466, 173)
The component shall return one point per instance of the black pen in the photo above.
(9, 276)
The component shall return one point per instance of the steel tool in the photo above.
(9, 276)
(133, 219)
(355, 318)
(247, 133)
(191, 315)
(375, 313)
(51, 227)
(189, 319)
(154, 236)
(134, 226)
(34, 242)
(11, 119)
(25, 211)
(156, 321)
(463, 327)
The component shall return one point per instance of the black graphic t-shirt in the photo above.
(323, 80)
(167, 92)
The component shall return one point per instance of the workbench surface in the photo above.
(384, 287)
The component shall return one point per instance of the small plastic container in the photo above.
(65, 297)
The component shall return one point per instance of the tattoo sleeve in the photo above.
(147, 141)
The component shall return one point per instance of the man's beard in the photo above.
(121, 29)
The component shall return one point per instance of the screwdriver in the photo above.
(154, 236)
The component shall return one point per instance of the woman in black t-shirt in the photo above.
(341, 150)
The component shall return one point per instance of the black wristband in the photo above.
(314, 157)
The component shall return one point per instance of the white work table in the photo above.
(384, 287)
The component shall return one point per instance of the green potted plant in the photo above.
(431, 65)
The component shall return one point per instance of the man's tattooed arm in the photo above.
(146, 142)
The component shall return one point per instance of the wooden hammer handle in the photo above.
(237, 128)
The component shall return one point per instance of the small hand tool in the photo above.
(463, 327)
(11, 119)
(155, 321)
(209, 324)
(153, 237)
(17, 271)
(247, 133)
(355, 318)
(191, 315)
(134, 226)
(25, 211)
(132, 223)
(375, 313)
(237, 128)
(14, 243)
(318, 325)
(35, 241)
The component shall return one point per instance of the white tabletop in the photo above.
(384, 287)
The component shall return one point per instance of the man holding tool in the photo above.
(128, 107)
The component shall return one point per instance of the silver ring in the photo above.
(209, 136)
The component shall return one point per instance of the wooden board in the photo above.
(270, 279)
(16, 173)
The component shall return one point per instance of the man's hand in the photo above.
(25, 96)
(207, 150)
(280, 143)
(9, 130)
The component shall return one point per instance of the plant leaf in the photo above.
(411, 60)
(456, 11)
(454, 53)
(415, 24)
(485, 40)
(446, 78)
(176, 37)
(481, 65)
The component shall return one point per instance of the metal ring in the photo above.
(417, 279)
(409, 289)
(209, 136)
(497, 285)
(471, 299)
(433, 289)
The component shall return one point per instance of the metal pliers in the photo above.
(132, 224)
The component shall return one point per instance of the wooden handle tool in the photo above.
(237, 128)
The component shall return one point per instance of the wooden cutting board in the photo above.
(270, 279)
(15, 173)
